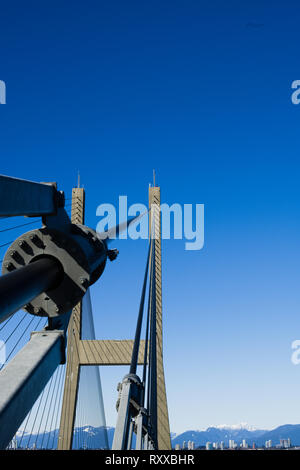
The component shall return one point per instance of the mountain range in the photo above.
(238, 433)
(94, 438)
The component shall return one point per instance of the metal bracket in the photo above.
(128, 406)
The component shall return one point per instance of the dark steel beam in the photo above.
(19, 287)
(136, 344)
(23, 197)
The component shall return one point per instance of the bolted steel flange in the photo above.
(48, 242)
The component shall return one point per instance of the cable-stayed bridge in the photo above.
(50, 387)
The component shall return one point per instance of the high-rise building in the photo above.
(232, 444)
(177, 446)
(268, 444)
(191, 445)
(244, 444)
(285, 443)
(209, 446)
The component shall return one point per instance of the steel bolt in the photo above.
(83, 281)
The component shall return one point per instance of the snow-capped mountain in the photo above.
(239, 432)
(235, 427)
(95, 438)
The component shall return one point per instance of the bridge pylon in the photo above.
(68, 412)
(163, 426)
(112, 352)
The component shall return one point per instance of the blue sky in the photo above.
(200, 91)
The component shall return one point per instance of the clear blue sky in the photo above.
(200, 91)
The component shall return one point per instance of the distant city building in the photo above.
(285, 443)
(177, 447)
(244, 444)
(268, 444)
(222, 445)
(191, 445)
(216, 445)
(209, 446)
(184, 445)
(232, 444)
